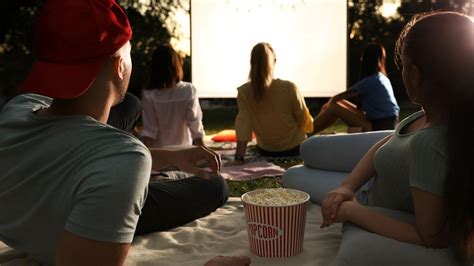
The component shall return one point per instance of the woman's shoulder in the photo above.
(384, 80)
(148, 93)
(285, 85)
(429, 140)
(425, 138)
(180, 90)
(377, 80)
(244, 88)
(374, 78)
(402, 126)
(186, 86)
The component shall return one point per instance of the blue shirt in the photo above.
(377, 98)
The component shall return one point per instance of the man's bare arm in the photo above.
(76, 250)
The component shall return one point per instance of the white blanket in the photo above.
(224, 233)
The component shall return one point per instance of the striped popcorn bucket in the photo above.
(275, 231)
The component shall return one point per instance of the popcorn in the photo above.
(275, 197)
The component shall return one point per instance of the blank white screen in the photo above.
(309, 40)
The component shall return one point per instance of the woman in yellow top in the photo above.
(271, 108)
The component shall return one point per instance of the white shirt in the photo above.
(172, 116)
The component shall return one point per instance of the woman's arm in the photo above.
(194, 119)
(301, 112)
(378, 223)
(198, 141)
(243, 129)
(365, 169)
(362, 172)
(350, 93)
(429, 230)
(240, 152)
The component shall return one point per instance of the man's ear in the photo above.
(118, 67)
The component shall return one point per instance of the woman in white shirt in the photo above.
(171, 111)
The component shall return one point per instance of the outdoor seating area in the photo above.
(225, 231)
(256, 132)
(222, 232)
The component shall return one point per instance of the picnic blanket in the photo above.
(255, 167)
(251, 171)
(223, 233)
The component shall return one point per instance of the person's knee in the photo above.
(221, 188)
(332, 107)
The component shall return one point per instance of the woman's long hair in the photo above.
(166, 68)
(261, 72)
(372, 60)
(441, 45)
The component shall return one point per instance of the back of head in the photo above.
(73, 40)
(261, 69)
(441, 46)
(373, 60)
(166, 68)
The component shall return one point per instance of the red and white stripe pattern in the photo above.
(275, 231)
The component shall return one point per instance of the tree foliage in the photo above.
(151, 22)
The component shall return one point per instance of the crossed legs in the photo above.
(344, 110)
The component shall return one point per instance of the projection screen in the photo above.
(308, 36)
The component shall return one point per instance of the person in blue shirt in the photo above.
(378, 108)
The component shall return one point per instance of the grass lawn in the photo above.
(218, 119)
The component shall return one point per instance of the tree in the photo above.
(151, 22)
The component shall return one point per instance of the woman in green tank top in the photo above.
(426, 166)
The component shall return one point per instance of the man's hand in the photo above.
(228, 261)
(332, 202)
(190, 158)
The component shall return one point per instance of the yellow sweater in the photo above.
(280, 120)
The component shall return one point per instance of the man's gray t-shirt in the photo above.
(66, 173)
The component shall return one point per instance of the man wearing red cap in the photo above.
(74, 190)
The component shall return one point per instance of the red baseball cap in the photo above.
(73, 40)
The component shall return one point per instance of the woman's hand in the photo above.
(228, 261)
(343, 213)
(332, 202)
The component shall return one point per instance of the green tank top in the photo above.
(416, 159)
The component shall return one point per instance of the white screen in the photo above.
(308, 36)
